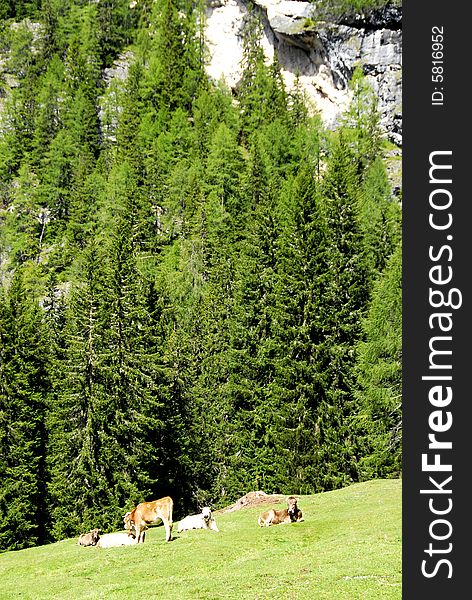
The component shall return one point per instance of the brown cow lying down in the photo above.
(137, 520)
(89, 539)
(291, 514)
(120, 538)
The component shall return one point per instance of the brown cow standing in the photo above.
(147, 513)
(291, 514)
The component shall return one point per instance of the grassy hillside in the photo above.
(348, 547)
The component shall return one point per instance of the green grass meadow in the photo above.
(348, 548)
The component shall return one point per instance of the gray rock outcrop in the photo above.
(323, 54)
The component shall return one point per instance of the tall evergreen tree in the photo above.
(115, 22)
(379, 216)
(253, 349)
(22, 233)
(257, 89)
(128, 129)
(300, 383)
(378, 372)
(344, 301)
(80, 493)
(48, 118)
(167, 61)
(24, 390)
(115, 388)
(224, 166)
(362, 121)
(218, 229)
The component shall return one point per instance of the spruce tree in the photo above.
(257, 89)
(300, 380)
(130, 115)
(136, 376)
(115, 388)
(115, 21)
(379, 216)
(224, 165)
(48, 118)
(343, 303)
(378, 374)
(166, 64)
(23, 230)
(80, 494)
(253, 348)
(214, 429)
(24, 390)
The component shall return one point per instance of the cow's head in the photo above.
(127, 521)
(129, 525)
(292, 507)
(95, 535)
(206, 512)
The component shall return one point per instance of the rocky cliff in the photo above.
(323, 54)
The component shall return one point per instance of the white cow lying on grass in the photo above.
(204, 520)
(120, 538)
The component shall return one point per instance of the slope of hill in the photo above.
(348, 547)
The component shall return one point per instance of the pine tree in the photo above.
(379, 381)
(24, 390)
(300, 382)
(80, 493)
(257, 88)
(344, 301)
(253, 349)
(362, 121)
(379, 216)
(167, 65)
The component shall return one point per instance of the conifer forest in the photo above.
(200, 289)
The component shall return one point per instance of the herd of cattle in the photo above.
(137, 521)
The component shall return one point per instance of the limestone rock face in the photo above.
(324, 54)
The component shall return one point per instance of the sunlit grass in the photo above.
(348, 548)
